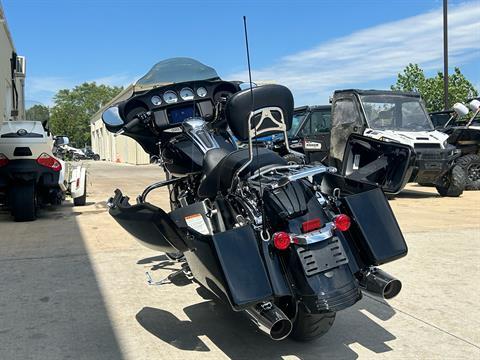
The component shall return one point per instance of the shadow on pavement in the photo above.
(413, 194)
(51, 306)
(238, 338)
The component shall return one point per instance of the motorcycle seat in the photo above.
(220, 165)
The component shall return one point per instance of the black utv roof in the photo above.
(377, 92)
(312, 107)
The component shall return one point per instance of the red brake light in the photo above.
(342, 222)
(311, 225)
(281, 240)
(3, 160)
(49, 161)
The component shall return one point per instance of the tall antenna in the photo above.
(248, 60)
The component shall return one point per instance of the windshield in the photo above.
(296, 121)
(177, 70)
(395, 112)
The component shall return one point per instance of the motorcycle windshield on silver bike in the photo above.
(289, 245)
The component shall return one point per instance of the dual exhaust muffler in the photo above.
(271, 320)
(379, 283)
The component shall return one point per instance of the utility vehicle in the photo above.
(392, 117)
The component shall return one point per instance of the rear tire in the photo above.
(96, 157)
(82, 200)
(471, 164)
(452, 183)
(23, 202)
(308, 327)
(293, 159)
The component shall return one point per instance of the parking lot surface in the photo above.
(73, 286)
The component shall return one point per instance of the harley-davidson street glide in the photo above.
(290, 245)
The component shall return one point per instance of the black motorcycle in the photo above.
(290, 245)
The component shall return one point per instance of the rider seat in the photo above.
(251, 113)
(220, 166)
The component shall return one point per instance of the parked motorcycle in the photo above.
(289, 245)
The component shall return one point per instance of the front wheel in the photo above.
(23, 202)
(308, 327)
(471, 164)
(452, 183)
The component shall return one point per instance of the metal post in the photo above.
(445, 54)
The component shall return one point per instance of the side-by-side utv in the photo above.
(392, 117)
(463, 130)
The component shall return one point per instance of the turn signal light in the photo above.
(49, 161)
(311, 225)
(342, 222)
(281, 240)
(3, 160)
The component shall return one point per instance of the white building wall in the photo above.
(6, 88)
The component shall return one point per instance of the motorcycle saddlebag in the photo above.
(148, 224)
(230, 265)
(374, 236)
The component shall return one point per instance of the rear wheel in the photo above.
(23, 202)
(96, 157)
(82, 200)
(309, 327)
(471, 164)
(452, 183)
(293, 159)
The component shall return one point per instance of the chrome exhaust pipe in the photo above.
(379, 283)
(271, 320)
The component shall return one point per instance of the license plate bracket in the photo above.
(325, 256)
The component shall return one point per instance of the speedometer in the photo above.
(186, 94)
(170, 97)
(202, 92)
(156, 100)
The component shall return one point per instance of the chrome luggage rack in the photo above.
(278, 176)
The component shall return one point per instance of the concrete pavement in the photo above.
(73, 286)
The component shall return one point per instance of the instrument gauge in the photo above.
(187, 94)
(202, 92)
(170, 97)
(156, 100)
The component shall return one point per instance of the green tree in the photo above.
(38, 113)
(431, 89)
(73, 109)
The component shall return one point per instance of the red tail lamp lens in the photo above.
(281, 240)
(311, 225)
(342, 222)
(3, 160)
(49, 161)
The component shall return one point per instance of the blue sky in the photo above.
(313, 47)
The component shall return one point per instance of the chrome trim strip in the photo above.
(316, 236)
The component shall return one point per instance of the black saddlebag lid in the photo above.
(375, 230)
(242, 266)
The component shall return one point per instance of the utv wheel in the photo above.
(293, 159)
(309, 327)
(452, 183)
(471, 164)
(23, 202)
(82, 200)
(96, 157)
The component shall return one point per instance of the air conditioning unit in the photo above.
(20, 69)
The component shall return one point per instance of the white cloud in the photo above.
(377, 53)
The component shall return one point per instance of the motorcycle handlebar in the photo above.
(140, 118)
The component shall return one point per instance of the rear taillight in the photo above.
(3, 160)
(311, 225)
(342, 222)
(281, 240)
(49, 161)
